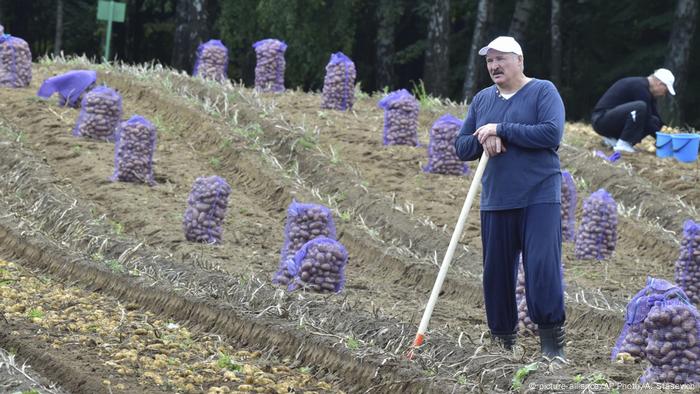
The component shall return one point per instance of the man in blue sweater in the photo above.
(519, 122)
(627, 112)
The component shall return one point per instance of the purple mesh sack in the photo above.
(206, 210)
(632, 338)
(339, 83)
(15, 62)
(319, 265)
(525, 324)
(687, 267)
(400, 118)
(70, 86)
(597, 233)
(133, 151)
(304, 223)
(442, 156)
(673, 342)
(568, 207)
(269, 68)
(100, 113)
(212, 61)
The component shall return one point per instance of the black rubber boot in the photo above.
(507, 340)
(552, 342)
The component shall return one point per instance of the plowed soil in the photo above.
(394, 220)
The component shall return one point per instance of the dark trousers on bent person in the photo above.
(626, 122)
(536, 231)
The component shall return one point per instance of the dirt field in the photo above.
(125, 241)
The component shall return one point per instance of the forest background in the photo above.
(427, 46)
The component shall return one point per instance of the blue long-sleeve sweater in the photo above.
(531, 125)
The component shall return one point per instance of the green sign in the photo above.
(110, 11)
(105, 8)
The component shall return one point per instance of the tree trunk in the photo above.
(388, 13)
(555, 65)
(58, 38)
(478, 40)
(677, 58)
(437, 61)
(191, 30)
(521, 16)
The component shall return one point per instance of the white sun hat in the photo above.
(666, 76)
(503, 44)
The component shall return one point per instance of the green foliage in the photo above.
(35, 314)
(521, 374)
(117, 227)
(215, 162)
(305, 370)
(225, 362)
(352, 344)
(115, 266)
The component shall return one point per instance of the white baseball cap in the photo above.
(503, 44)
(666, 76)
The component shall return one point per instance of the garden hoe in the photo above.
(420, 335)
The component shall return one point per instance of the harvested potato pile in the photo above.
(270, 65)
(569, 199)
(206, 209)
(212, 61)
(632, 339)
(320, 266)
(687, 267)
(133, 152)
(304, 223)
(339, 83)
(673, 342)
(101, 111)
(15, 62)
(442, 155)
(597, 234)
(400, 118)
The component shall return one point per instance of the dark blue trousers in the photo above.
(536, 232)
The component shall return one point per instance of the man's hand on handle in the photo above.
(493, 145)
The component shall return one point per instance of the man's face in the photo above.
(658, 88)
(503, 67)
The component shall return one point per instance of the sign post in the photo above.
(110, 11)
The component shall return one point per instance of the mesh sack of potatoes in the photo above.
(212, 61)
(442, 156)
(673, 341)
(400, 118)
(304, 223)
(270, 65)
(525, 324)
(339, 83)
(100, 113)
(206, 209)
(687, 267)
(568, 207)
(15, 62)
(133, 151)
(319, 266)
(632, 338)
(70, 86)
(597, 234)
